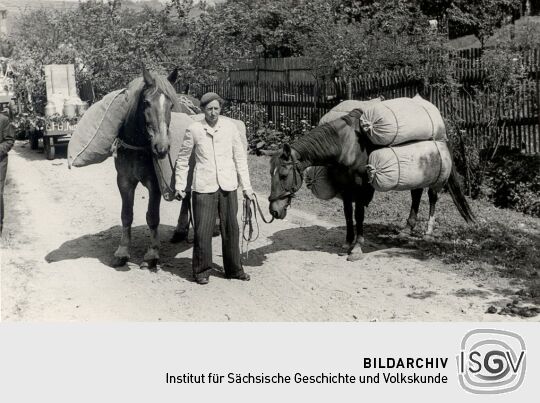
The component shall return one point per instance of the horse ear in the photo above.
(148, 79)
(173, 76)
(286, 154)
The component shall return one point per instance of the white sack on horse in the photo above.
(345, 107)
(399, 121)
(97, 129)
(435, 115)
(177, 129)
(410, 166)
(319, 182)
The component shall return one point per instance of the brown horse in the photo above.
(344, 148)
(144, 136)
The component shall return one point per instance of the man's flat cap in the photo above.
(209, 97)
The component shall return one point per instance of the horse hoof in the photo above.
(151, 265)
(216, 232)
(179, 237)
(353, 257)
(119, 261)
(347, 246)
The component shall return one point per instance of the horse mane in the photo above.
(323, 142)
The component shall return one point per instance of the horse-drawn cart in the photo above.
(63, 109)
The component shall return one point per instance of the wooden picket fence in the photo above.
(281, 103)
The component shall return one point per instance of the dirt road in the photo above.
(63, 226)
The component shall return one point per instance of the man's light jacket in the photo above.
(220, 158)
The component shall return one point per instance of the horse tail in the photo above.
(459, 198)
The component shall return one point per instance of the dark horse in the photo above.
(344, 148)
(144, 136)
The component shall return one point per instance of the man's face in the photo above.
(212, 111)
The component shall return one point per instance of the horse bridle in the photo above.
(297, 181)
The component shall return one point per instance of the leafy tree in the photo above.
(478, 17)
(106, 42)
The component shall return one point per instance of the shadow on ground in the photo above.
(24, 150)
(102, 245)
(330, 240)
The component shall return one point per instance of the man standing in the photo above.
(220, 166)
(6, 143)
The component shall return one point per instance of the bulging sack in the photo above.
(399, 121)
(318, 181)
(97, 129)
(345, 107)
(410, 166)
(435, 115)
(177, 129)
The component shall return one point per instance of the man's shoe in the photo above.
(202, 280)
(243, 277)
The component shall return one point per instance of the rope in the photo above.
(119, 143)
(249, 216)
(398, 168)
(397, 123)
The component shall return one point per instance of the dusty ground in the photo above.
(62, 227)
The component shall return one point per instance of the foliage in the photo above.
(106, 42)
(515, 182)
(502, 89)
(25, 122)
(477, 17)
(264, 135)
(367, 37)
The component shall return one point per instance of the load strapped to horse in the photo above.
(361, 147)
(143, 127)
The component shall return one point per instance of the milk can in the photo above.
(70, 108)
(50, 109)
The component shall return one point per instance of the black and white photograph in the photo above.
(270, 161)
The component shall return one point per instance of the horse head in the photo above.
(286, 181)
(156, 101)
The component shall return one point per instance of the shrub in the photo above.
(514, 179)
(264, 134)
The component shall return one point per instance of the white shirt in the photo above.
(220, 158)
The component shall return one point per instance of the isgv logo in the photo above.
(491, 361)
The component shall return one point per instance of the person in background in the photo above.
(6, 143)
(220, 166)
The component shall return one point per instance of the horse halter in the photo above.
(296, 185)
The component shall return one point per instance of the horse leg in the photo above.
(151, 257)
(359, 213)
(416, 196)
(348, 211)
(127, 192)
(433, 197)
(182, 227)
